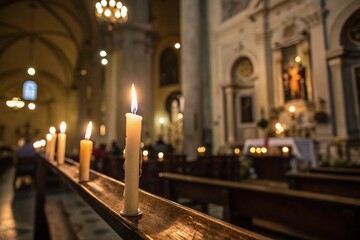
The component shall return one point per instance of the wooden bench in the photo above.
(297, 213)
(271, 167)
(337, 170)
(335, 184)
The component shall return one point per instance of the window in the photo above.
(29, 90)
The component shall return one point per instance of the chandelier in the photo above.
(15, 103)
(111, 12)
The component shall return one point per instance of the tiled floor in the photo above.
(17, 212)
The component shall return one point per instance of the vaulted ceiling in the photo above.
(48, 35)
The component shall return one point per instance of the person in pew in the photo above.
(25, 160)
(115, 149)
(99, 153)
(26, 150)
(160, 146)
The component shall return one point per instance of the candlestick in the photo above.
(52, 144)
(85, 153)
(61, 144)
(132, 149)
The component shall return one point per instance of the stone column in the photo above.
(278, 80)
(229, 115)
(111, 85)
(320, 84)
(304, 49)
(339, 98)
(94, 101)
(191, 76)
(132, 65)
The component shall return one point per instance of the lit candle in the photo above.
(132, 149)
(61, 143)
(52, 144)
(48, 144)
(85, 153)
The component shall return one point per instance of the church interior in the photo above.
(179, 119)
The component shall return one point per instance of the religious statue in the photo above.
(294, 82)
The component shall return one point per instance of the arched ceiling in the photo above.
(46, 34)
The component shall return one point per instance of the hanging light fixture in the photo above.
(15, 103)
(111, 12)
(31, 70)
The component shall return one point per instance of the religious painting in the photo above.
(246, 103)
(293, 76)
(169, 68)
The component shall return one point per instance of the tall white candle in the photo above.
(52, 144)
(85, 153)
(48, 145)
(61, 144)
(132, 156)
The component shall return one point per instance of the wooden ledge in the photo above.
(161, 218)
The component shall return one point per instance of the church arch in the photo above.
(350, 71)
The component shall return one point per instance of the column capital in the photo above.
(313, 19)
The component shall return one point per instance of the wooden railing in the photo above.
(161, 218)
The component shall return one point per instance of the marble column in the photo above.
(132, 62)
(304, 51)
(230, 117)
(320, 82)
(339, 98)
(278, 81)
(111, 85)
(191, 75)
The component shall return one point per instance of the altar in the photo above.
(301, 148)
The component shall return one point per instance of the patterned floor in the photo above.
(17, 212)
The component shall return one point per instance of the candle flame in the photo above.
(62, 127)
(52, 130)
(134, 105)
(48, 136)
(88, 131)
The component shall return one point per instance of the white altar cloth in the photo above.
(302, 148)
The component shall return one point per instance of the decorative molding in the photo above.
(240, 46)
(313, 19)
(230, 8)
(336, 53)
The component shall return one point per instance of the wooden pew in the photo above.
(337, 170)
(271, 167)
(335, 184)
(297, 213)
(160, 219)
(217, 166)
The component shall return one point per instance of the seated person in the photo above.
(26, 150)
(25, 163)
